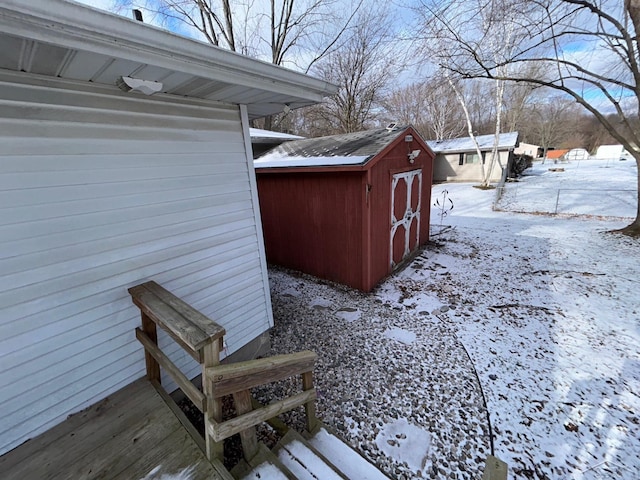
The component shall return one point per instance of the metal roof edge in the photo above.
(506, 136)
(80, 27)
(356, 167)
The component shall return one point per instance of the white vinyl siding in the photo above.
(465, 167)
(100, 191)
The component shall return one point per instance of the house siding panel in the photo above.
(448, 168)
(94, 198)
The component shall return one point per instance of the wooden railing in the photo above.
(237, 379)
(202, 338)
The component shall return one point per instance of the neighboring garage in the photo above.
(102, 189)
(348, 208)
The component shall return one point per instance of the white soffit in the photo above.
(64, 39)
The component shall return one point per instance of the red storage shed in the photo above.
(347, 208)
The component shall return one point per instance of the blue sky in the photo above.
(586, 54)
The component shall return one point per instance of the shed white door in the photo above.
(99, 191)
(406, 194)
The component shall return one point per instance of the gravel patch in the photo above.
(381, 365)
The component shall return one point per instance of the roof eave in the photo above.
(472, 149)
(354, 167)
(76, 26)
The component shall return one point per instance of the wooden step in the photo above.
(346, 460)
(303, 460)
(320, 455)
(265, 465)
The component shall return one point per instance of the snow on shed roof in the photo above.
(268, 161)
(455, 145)
(343, 149)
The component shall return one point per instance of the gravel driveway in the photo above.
(380, 377)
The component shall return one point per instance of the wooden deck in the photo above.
(125, 436)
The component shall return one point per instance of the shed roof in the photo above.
(465, 144)
(64, 39)
(551, 154)
(343, 149)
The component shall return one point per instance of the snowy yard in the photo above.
(587, 187)
(546, 309)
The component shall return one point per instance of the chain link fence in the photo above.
(520, 198)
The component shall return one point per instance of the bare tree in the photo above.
(587, 49)
(463, 103)
(551, 122)
(299, 32)
(594, 133)
(478, 94)
(430, 106)
(492, 26)
(213, 20)
(362, 69)
(516, 102)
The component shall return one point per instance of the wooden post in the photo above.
(248, 436)
(211, 358)
(495, 469)
(309, 407)
(153, 367)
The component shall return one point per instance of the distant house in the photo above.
(457, 159)
(611, 152)
(264, 140)
(530, 149)
(104, 187)
(348, 208)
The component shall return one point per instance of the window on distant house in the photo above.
(473, 158)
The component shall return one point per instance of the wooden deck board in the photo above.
(95, 413)
(173, 455)
(126, 435)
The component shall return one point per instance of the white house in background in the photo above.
(102, 189)
(457, 159)
(611, 152)
(530, 149)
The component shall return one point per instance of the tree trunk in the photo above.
(633, 229)
(463, 104)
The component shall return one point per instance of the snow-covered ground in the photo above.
(587, 187)
(547, 308)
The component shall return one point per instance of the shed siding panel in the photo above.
(94, 198)
(311, 217)
(395, 161)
